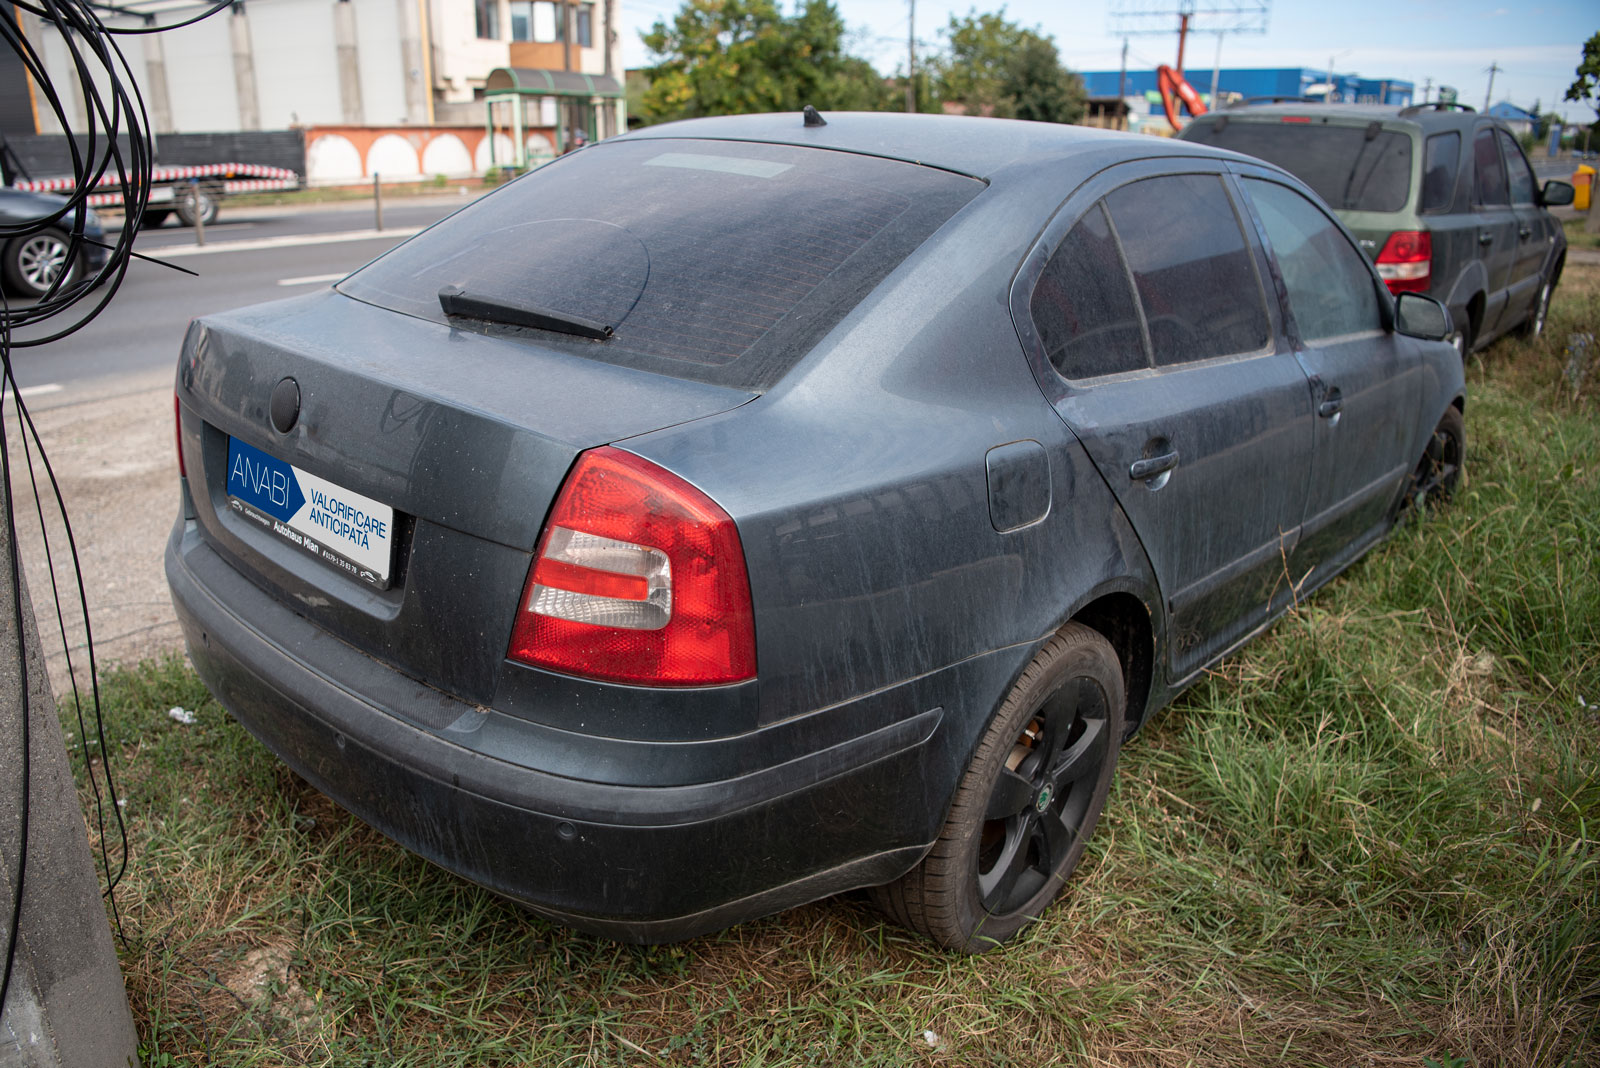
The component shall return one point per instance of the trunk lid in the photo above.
(467, 436)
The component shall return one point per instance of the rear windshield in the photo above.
(1353, 168)
(711, 260)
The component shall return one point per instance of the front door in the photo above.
(1365, 381)
(1496, 227)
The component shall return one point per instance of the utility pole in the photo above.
(911, 59)
(1427, 88)
(1216, 71)
(1494, 68)
(1332, 92)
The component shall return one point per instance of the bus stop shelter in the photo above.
(592, 103)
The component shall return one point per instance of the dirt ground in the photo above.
(115, 461)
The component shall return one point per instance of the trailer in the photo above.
(190, 192)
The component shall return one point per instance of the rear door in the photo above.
(1365, 381)
(1146, 299)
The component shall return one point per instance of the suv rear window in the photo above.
(1353, 168)
(716, 261)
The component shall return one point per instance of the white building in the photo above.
(376, 64)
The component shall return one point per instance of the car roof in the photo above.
(1426, 115)
(990, 149)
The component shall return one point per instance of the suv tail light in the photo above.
(639, 578)
(1406, 262)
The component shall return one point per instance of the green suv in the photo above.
(1440, 197)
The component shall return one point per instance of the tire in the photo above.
(201, 200)
(1027, 803)
(154, 217)
(1438, 472)
(34, 261)
(1533, 325)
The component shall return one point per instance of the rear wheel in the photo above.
(197, 201)
(1027, 803)
(154, 217)
(1533, 325)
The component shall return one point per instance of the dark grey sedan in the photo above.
(746, 510)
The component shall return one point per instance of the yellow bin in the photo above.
(1582, 186)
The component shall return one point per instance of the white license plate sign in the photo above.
(339, 526)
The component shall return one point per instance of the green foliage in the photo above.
(733, 57)
(1585, 88)
(995, 67)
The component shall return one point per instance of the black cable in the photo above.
(117, 151)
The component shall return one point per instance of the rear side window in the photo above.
(718, 261)
(1489, 178)
(1083, 304)
(1356, 168)
(1191, 267)
(1440, 163)
(1517, 170)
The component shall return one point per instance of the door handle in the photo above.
(1140, 470)
(1524, 232)
(1330, 407)
(1485, 238)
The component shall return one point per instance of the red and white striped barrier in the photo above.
(256, 177)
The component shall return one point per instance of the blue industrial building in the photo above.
(1235, 84)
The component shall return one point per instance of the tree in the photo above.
(995, 67)
(1585, 89)
(732, 57)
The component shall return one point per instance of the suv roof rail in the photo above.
(1250, 101)
(1437, 105)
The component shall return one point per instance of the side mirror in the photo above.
(1556, 193)
(1421, 316)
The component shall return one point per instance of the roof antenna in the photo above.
(814, 117)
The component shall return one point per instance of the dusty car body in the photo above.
(970, 567)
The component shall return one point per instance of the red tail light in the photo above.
(1406, 262)
(639, 578)
(177, 423)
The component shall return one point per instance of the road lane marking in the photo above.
(312, 279)
(33, 391)
(167, 252)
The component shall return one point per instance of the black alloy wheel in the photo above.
(1027, 803)
(1439, 470)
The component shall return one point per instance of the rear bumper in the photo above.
(634, 862)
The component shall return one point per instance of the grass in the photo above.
(1370, 838)
(1577, 234)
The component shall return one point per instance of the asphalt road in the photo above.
(251, 255)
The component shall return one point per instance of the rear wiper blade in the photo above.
(457, 301)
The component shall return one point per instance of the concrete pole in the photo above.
(155, 72)
(411, 62)
(244, 69)
(349, 59)
(1216, 72)
(66, 1005)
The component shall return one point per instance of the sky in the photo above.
(1453, 42)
